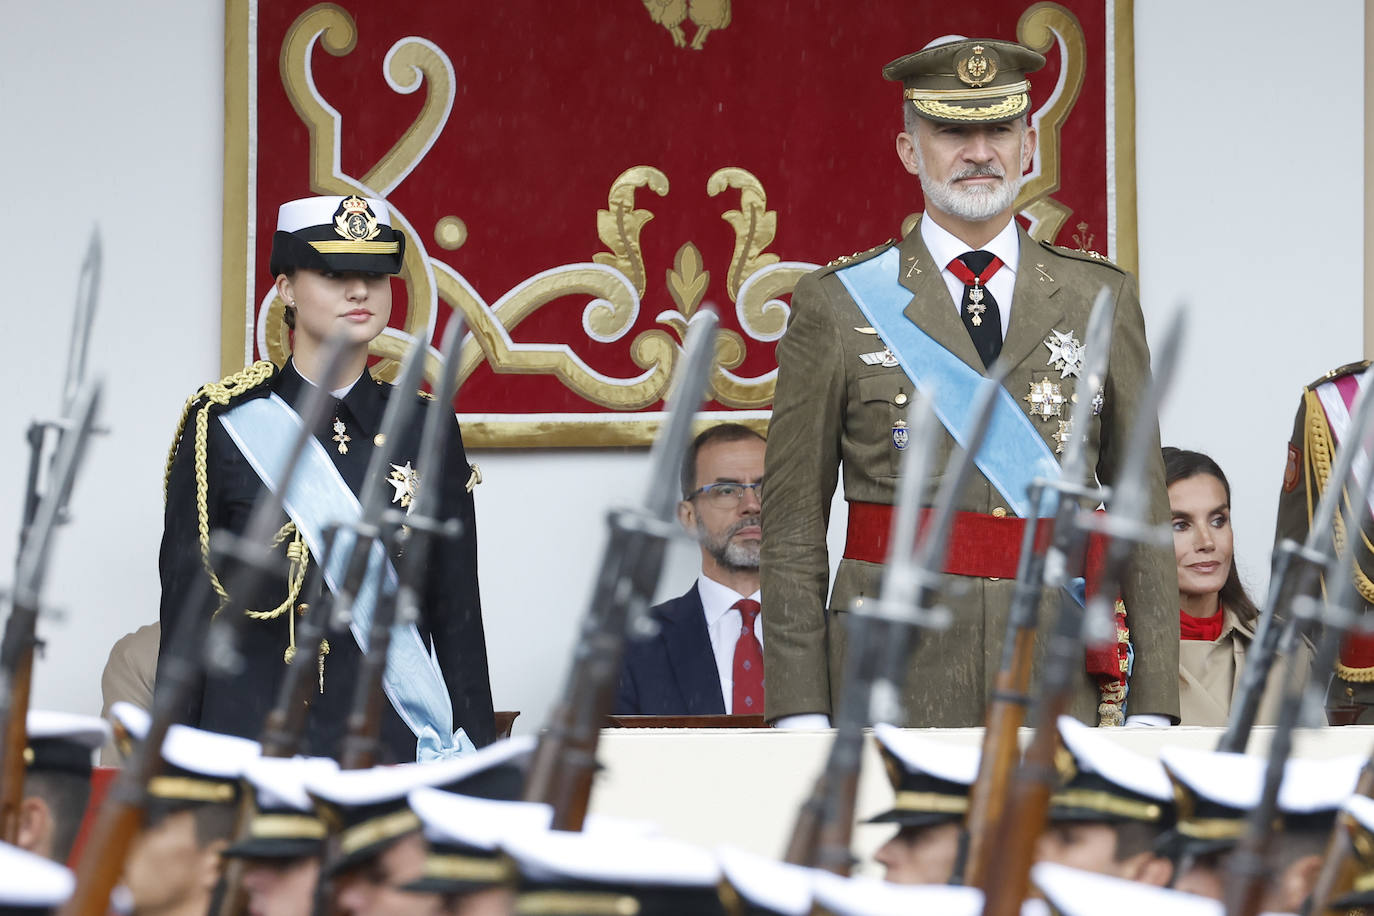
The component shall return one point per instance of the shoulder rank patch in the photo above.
(1348, 369)
(1290, 471)
(1082, 255)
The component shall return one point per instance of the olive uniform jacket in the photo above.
(451, 615)
(832, 411)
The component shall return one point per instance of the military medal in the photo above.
(1045, 399)
(1099, 400)
(974, 286)
(883, 357)
(1062, 435)
(406, 481)
(341, 436)
(900, 436)
(1066, 353)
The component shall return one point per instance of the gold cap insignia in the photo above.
(355, 221)
(976, 69)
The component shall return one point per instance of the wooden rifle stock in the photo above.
(564, 761)
(16, 730)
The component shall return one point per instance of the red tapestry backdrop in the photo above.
(577, 179)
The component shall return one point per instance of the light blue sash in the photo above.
(1013, 454)
(263, 429)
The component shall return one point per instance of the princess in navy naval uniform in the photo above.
(332, 262)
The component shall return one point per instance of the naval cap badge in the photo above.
(355, 221)
(976, 69)
(1066, 353)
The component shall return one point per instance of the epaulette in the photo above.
(1348, 369)
(845, 260)
(235, 385)
(1080, 254)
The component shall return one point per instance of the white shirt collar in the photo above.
(718, 599)
(338, 393)
(945, 246)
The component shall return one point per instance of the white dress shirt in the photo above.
(722, 626)
(944, 247)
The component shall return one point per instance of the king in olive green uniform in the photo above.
(842, 399)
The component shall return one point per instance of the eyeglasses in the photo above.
(729, 495)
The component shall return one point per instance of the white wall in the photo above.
(1248, 183)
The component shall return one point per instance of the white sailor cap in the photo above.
(764, 885)
(370, 808)
(465, 836)
(1215, 792)
(575, 873)
(863, 896)
(32, 884)
(202, 767)
(1103, 781)
(930, 779)
(284, 823)
(63, 741)
(1072, 892)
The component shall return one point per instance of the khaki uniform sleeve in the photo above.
(1150, 590)
(801, 470)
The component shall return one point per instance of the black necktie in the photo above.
(979, 309)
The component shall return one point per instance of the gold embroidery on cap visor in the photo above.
(341, 247)
(377, 830)
(468, 868)
(1107, 803)
(570, 903)
(930, 801)
(183, 788)
(286, 827)
(1010, 107)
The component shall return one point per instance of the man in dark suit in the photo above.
(707, 658)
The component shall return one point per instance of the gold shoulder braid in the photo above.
(1317, 466)
(222, 394)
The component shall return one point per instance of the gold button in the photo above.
(999, 512)
(900, 399)
(379, 440)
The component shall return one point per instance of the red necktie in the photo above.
(748, 669)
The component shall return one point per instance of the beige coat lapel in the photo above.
(1034, 308)
(931, 309)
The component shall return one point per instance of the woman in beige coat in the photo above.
(1216, 616)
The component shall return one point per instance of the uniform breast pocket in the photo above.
(876, 428)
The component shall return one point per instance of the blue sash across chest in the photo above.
(318, 498)
(1013, 454)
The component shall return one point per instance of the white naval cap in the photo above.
(1361, 810)
(279, 782)
(956, 763)
(477, 823)
(767, 884)
(1106, 781)
(930, 779)
(63, 740)
(862, 896)
(613, 857)
(1310, 785)
(32, 883)
(1072, 892)
(295, 215)
(201, 766)
(378, 785)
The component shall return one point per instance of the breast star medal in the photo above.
(1046, 400)
(901, 437)
(341, 436)
(406, 481)
(1066, 353)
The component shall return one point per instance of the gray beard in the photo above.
(734, 556)
(973, 204)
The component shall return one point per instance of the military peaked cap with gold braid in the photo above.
(284, 825)
(930, 779)
(1357, 816)
(963, 80)
(336, 234)
(753, 885)
(465, 836)
(63, 741)
(1104, 782)
(199, 767)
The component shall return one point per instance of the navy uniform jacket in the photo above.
(452, 614)
(673, 673)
